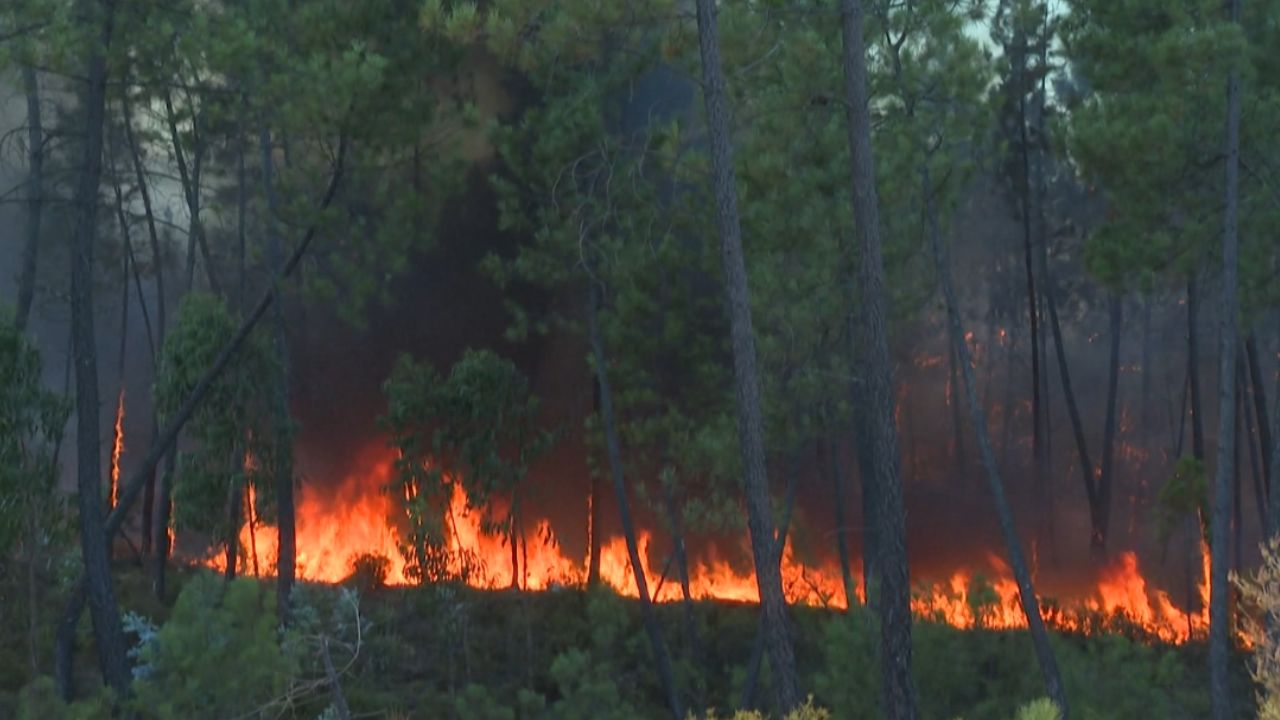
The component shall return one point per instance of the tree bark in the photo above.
(977, 415)
(103, 610)
(286, 554)
(773, 606)
(895, 590)
(614, 451)
(1219, 597)
(35, 197)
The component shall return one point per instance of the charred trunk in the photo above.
(1193, 367)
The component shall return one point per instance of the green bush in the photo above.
(218, 656)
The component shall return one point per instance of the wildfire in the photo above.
(358, 518)
(117, 449)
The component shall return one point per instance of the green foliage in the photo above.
(31, 422)
(1042, 709)
(1185, 494)
(235, 439)
(474, 431)
(807, 711)
(39, 701)
(218, 655)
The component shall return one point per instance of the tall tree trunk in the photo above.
(1144, 414)
(1219, 597)
(1256, 471)
(286, 521)
(977, 415)
(35, 197)
(895, 590)
(870, 497)
(149, 531)
(836, 468)
(957, 425)
(1097, 541)
(773, 605)
(1259, 394)
(1033, 312)
(190, 177)
(1101, 514)
(1193, 366)
(595, 520)
(103, 610)
(614, 451)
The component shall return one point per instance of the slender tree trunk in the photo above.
(870, 498)
(1101, 515)
(773, 606)
(595, 525)
(1219, 598)
(35, 197)
(842, 541)
(1097, 540)
(1193, 367)
(1033, 312)
(1145, 415)
(977, 415)
(1256, 471)
(190, 177)
(103, 610)
(286, 521)
(895, 590)
(1259, 394)
(149, 530)
(614, 452)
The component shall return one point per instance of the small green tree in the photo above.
(475, 430)
(233, 440)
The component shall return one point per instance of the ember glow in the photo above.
(357, 517)
(117, 449)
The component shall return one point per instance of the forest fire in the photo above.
(357, 518)
(117, 449)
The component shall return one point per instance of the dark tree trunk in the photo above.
(35, 197)
(1259, 394)
(873, 341)
(836, 468)
(1033, 312)
(773, 606)
(1101, 514)
(1097, 540)
(596, 528)
(104, 612)
(164, 505)
(870, 498)
(957, 425)
(977, 415)
(149, 531)
(1145, 415)
(614, 451)
(1219, 597)
(190, 177)
(1256, 471)
(286, 520)
(1193, 367)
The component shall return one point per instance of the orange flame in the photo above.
(117, 449)
(339, 523)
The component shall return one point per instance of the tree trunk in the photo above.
(1097, 541)
(103, 610)
(286, 521)
(977, 415)
(1101, 514)
(1259, 393)
(149, 529)
(895, 590)
(1219, 597)
(957, 425)
(614, 451)
(35, 197)
(1033, 312)
(1193, 366)
(773, 606)
(595, 519)
(190, 177)
(842, 541)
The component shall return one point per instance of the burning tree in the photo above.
(473, 432)
(231, 434)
